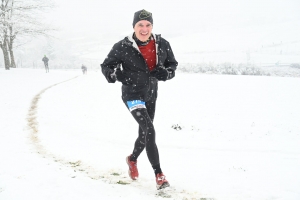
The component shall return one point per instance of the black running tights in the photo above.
(146, 138)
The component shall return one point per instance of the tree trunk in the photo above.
(5, 53)
(11, 53)
(10, 43)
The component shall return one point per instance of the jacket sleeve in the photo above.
(111, 62)
(170, 63)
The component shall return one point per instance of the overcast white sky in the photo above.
(170, 16)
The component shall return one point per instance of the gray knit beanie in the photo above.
(142, 15)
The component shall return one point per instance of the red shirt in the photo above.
(149, 53)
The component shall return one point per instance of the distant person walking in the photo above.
(84, 69)
(45, 60)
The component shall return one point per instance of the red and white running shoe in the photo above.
(161, 181)
(133, 171)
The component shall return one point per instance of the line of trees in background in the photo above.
(19, 19)
(291, 70)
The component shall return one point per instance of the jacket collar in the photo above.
(130, 42)
(133, 43)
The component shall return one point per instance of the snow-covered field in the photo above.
(65, 136)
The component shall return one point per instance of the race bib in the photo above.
(135, 104)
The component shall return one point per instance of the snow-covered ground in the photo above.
(64, 135)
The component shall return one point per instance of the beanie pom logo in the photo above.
(144, 14)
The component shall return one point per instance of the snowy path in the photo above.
(113, 173)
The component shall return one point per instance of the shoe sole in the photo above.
(164, 185)
(133, 178)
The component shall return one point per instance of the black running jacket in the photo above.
(140, 84)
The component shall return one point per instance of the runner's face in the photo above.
(143, 30)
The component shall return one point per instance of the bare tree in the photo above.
(3, 29)
(21, 18)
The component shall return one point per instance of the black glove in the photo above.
(162, 74)
(121, 77)
(110, 75)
